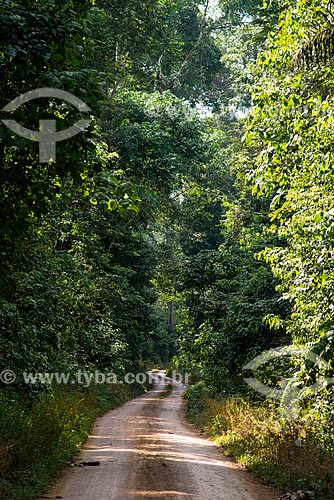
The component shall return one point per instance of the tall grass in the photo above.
(38, 437)
(294, 455)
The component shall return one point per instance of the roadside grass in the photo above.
(296, 455)
(39, 437)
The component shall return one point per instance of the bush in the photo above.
(196, 397)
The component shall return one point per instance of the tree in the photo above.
(290, 131)
(160, 46)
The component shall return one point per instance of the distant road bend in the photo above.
(146, 451)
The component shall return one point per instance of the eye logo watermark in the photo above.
(47, 136)
(290, 393)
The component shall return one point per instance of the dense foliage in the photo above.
(77, 246)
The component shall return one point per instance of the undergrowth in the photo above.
(294, 455)
(39, 436)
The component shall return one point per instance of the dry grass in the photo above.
(289, 454)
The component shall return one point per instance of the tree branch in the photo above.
(205, 29)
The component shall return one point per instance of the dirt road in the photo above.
(146, 451)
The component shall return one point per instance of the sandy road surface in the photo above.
(147, 452)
